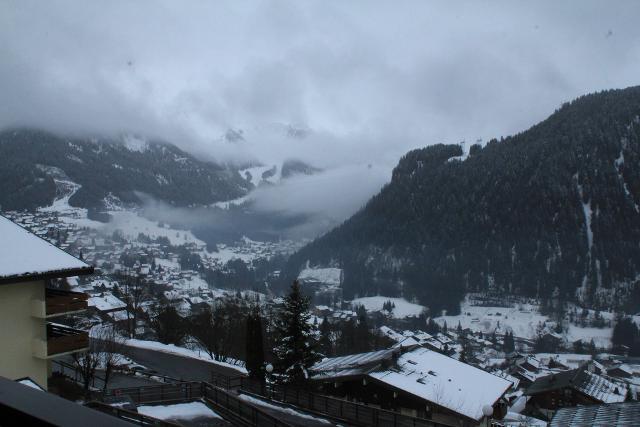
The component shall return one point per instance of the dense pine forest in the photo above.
(549, 212)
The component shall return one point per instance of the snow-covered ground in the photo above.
(181, 351)
(179, 411)
(403, 308)
(65, 188)
(132, 224)
(523, 320)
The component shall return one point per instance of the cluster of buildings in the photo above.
(451, 377)
(154, 263)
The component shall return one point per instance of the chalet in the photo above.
(105, 303)
(621, 371)
(571, 388)
(29, 339)
(419, 382)
(528, 363)
(550, 341)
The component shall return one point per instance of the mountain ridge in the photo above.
(108, 168)
(550, 211)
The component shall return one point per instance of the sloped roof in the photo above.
(25, 256)
(610, 415)
(353, 364)
(593, 385)
(444, 381)
(106, 302)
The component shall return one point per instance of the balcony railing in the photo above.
(61, 340)
(58, 302)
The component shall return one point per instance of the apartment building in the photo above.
(28, 307)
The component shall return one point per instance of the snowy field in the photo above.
(180, 411)
(523, 320)
(403, 307)
(131, 224)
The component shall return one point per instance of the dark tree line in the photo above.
(626, 333)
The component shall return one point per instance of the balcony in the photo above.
(58, 302)
(61, 340)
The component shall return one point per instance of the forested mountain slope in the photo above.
(552, 210)
(31, 161)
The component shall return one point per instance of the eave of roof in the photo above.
(54, 274)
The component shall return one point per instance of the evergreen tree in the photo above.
(326, 346)
(509, 344)
(296, 350)
(363, 338)
(432, 327)
(347, 338)
(255, 346)
(629, 397)
(168, 325)
(625, 332)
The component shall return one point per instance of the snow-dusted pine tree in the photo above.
(254, 345)
(297, 338)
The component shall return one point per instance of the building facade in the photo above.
(28, 307)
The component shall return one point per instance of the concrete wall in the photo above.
(18, 329)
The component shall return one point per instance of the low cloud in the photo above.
(371, 80)
(302, 206)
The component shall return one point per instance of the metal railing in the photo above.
(129, 416)
(72, 372)
(347, 411)
(226, 403)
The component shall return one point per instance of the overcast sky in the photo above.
(365, 80)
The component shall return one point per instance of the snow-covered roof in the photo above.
(593, 385)
(107, 302)
(25, 256)
(118, 316)
(353, 364)
(30, 383)
(444, 381)
(387, 331)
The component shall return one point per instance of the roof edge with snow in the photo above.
(25, 257)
